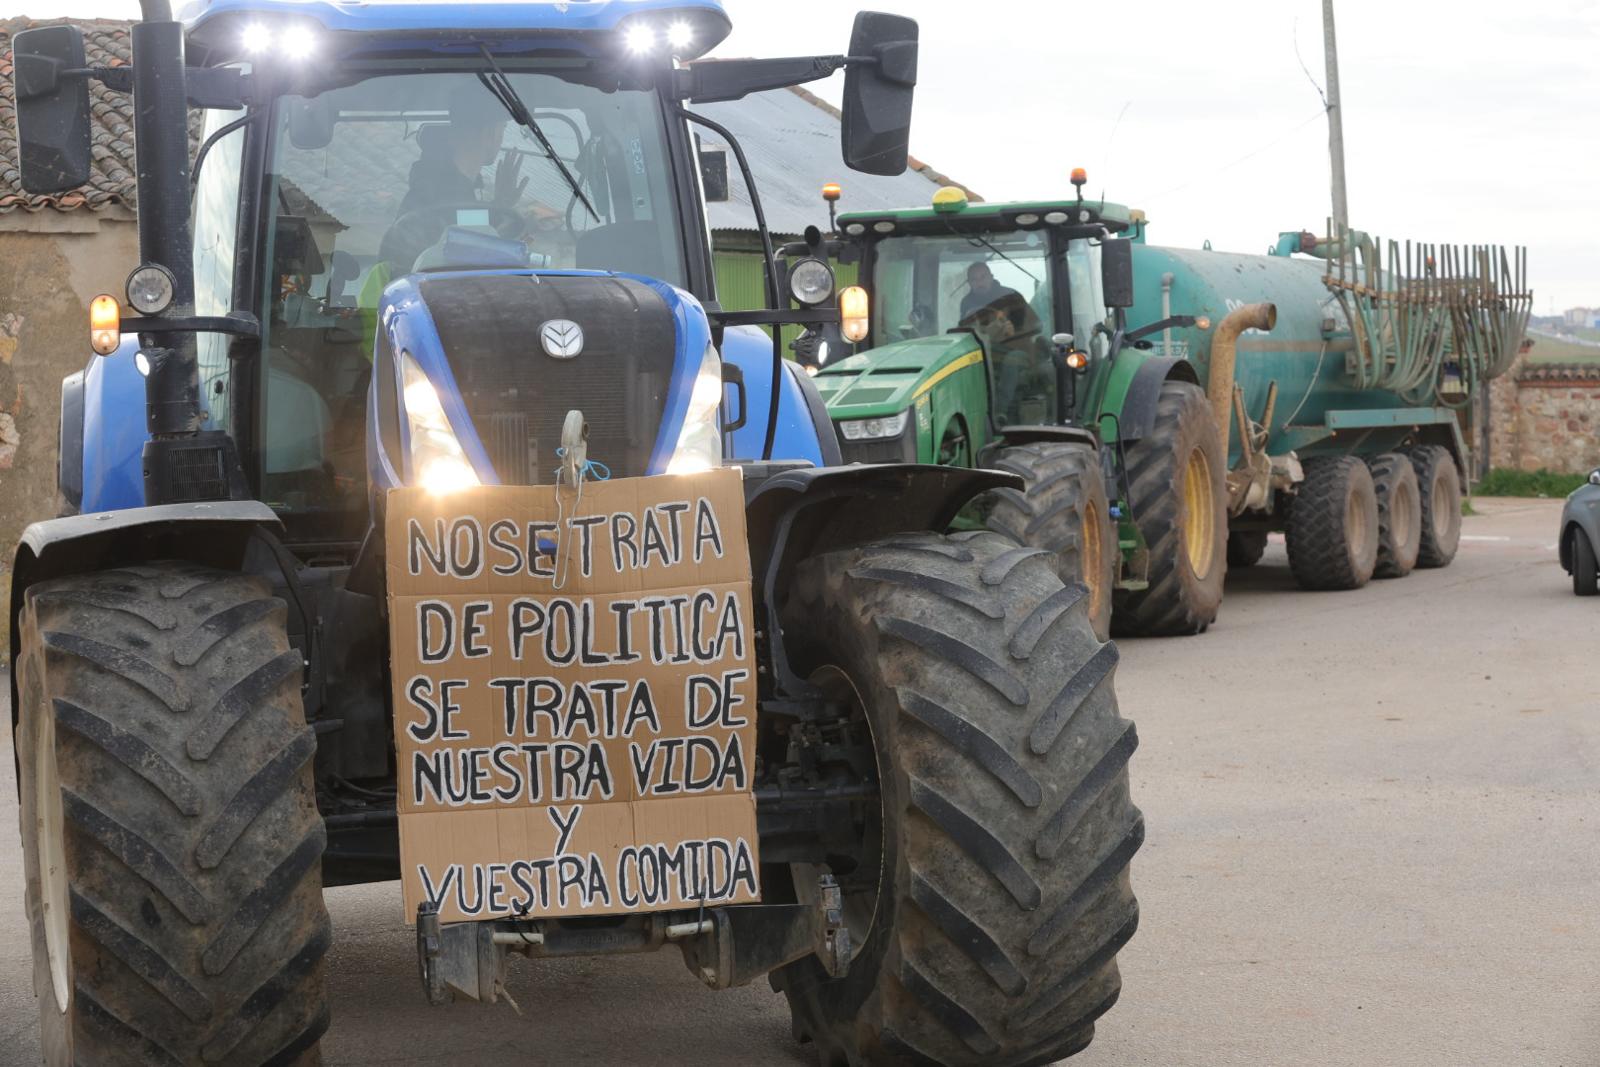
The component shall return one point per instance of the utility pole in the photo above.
(1341, 208)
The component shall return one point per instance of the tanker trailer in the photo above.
(1338, 369)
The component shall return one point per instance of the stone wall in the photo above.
(51, 265)
(1546, 415)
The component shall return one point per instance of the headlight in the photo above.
(699, 445)
(150, 289)
(811, 282)
(872, 429)
(437, 462)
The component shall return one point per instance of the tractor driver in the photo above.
(983, 291)
(454, 155)
(449, 174)
(1009, 330)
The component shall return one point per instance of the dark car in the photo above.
(1580, 536)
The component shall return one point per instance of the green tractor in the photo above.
(998, 338)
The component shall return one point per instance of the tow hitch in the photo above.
(724, 947)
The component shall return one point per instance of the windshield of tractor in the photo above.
(398, 173)
(996, 285)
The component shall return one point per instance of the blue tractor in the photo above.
(415, 237)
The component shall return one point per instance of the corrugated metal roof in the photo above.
(791, 138)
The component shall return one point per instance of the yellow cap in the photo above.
(950, 198)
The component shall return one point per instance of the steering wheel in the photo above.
(505, 221)
(414, 232)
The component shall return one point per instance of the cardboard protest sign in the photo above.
(574, 697)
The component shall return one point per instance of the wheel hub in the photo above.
(49, 833)
(859, 886)
(1094, 559)
(1355, 527)
(1199, 525)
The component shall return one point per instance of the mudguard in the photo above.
(213, 533)
(803, 511)
(1138, 412)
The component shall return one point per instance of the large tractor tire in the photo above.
(1439, 486)
(1176, 479)
(1394, 481)
(171, 841)
(1332, 536)
(990, 912)
(1245, 548)
(1062, 508)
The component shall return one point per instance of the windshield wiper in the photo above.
(500, 88)
(977, 240)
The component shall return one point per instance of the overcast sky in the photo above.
(1465, 121)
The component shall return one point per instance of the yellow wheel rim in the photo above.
(1094, 559)
(1199, 529)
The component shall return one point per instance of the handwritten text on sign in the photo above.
(574, 738)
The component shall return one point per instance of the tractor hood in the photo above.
(887, 380)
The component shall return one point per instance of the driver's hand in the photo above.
(508, 180)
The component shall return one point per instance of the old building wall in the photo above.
(1546, 415)
(46, 282)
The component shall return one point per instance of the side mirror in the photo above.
(876, 128)
(52, 108)
(714, 174)
(1594, 477)
(311, 124)
(1116, 273)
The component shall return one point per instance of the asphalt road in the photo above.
(1372, 826)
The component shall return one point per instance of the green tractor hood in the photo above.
(887, 380)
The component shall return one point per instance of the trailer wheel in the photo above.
(1394, 481)
(1439, 486)
(171, 840)
(1176, 480)
(1332, 535)
(1585, 579)
(1245, 548)
(1062, 508)
(992, 914)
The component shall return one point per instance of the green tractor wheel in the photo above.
(171, 842)
(991, 895)
(1062, 508)
(1175, 475)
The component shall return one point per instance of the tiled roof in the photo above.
(111, 178)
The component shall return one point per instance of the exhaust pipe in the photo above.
(1224, 354)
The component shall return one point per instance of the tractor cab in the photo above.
(1013, 294)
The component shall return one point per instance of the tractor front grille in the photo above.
(518, 396)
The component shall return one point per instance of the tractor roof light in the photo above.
(831, 192)
(640, 38)
(105, 324)
(292, 40)
(1080, 178)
